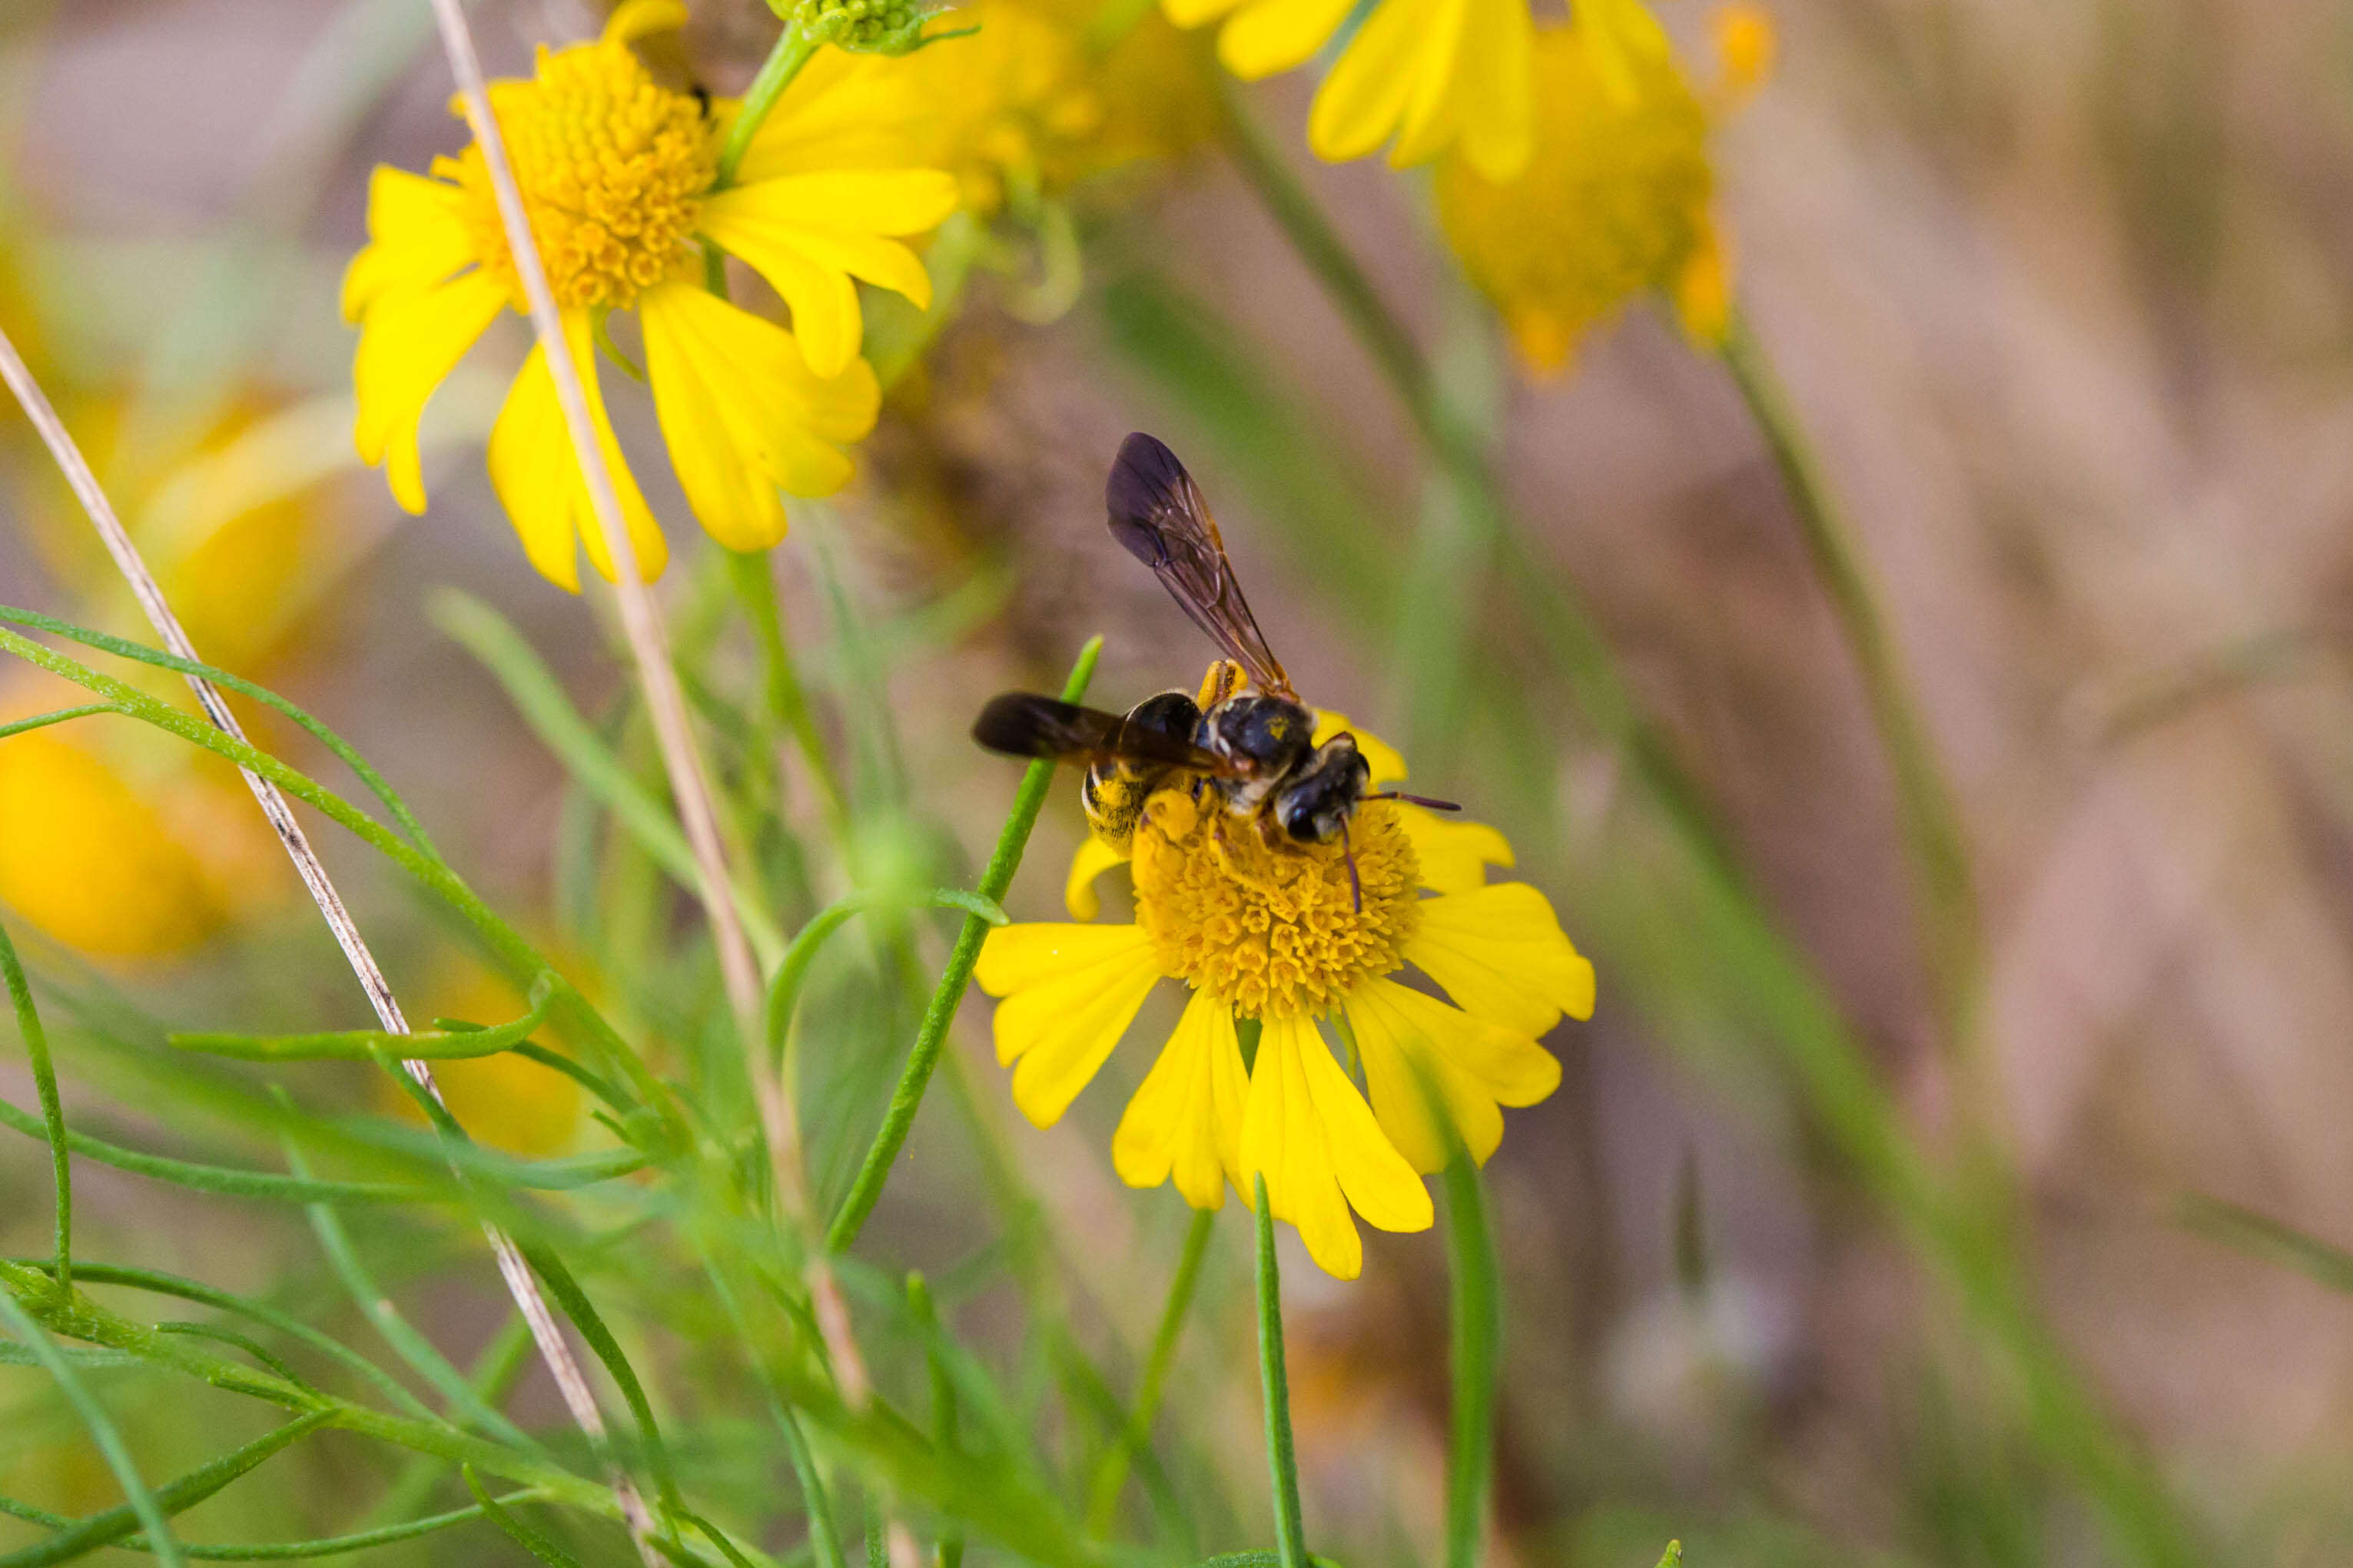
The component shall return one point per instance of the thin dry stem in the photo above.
(553, 1347)
(642, 625)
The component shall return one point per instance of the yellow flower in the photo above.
(506, 1101)
(1274, 932)
(1430, 74)
(122, 844)
(618, 175)
(1616, 200)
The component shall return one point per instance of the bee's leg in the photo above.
(1355, 883)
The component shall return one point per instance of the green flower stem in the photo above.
(1281, 1462)
(1931, 823)
(1110, 1476)
(45, 1085)
(948, 995)
(793, 50)
(782, 693)
(1475, 1360)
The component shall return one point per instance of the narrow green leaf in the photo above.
(948, 996)
(57, 716)
(371, 1045)
(2260, 1235)
(792, 974)
(224, 1180)
(53, 1115)
(1673, 1556)
(521, 1534)
(141, 1504)
(176, 1496)
(582, 1313)
(1136, 1433)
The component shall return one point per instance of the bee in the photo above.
(1246, 740)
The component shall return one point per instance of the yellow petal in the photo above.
(1424, 1058)
(848, 201)
(743, 414)
(1186, 1118)
(1703, 291)
(410, 342)
(1454, 854)
(1311, 1134)
(1093, 858)
(1386, 762)
(633, 19)
(845, 111)
(415, 238)
(1492, 92)
(537, 476)
(1069, 994)
(1501, 955)
(1268, 35)
(1362, 100)
(823, 301)
(1193, 13)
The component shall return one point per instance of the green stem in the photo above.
(785, 699)
(45, 1085)
(1281, 1462)
(1931, 823)
(948, 995)
(926, 1313)
(1474, 1361)
(1102, 1504)
(792, 51)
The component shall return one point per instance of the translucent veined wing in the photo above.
(1157, 513)
(1024, 725)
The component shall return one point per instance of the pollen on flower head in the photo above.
(612, 167)
(1271, 929)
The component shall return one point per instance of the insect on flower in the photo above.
(1280, 879)
(1247, 741)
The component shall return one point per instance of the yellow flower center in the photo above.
(613, 166)
(1272, 930)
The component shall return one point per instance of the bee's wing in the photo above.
(1023, 724)
(1157, 512)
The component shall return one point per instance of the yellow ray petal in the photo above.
(1501, 954)
(1193, 13)
(1495, 84)
(1268, 35)
(533, 468)
(409, 342)
(1416, 1048)
(415, 238)
(849, 201)
(1311, 1134)
(743, 414)
(1069, 994)
(1187, 1117)
(1454, 854)
(1378, 74)
(1093, 858)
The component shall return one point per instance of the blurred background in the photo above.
(2061, 292)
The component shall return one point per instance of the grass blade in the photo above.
(521, 1534)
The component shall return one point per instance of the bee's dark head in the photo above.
(1265, 735)
(1312, 807)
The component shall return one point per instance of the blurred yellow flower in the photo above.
(1034, 102)
(507, 1101)
(618, 175)
(1616, 199)
(1421, 75)
(1275, 932)
(121, 844)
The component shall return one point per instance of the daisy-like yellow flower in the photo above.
(1420, 75)
(1272, 932)
(618, 175)
(1617, 198)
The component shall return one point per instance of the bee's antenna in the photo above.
(1415, 800)
(1355, 883)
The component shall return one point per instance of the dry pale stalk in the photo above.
(544, 1332)
(665, 702)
